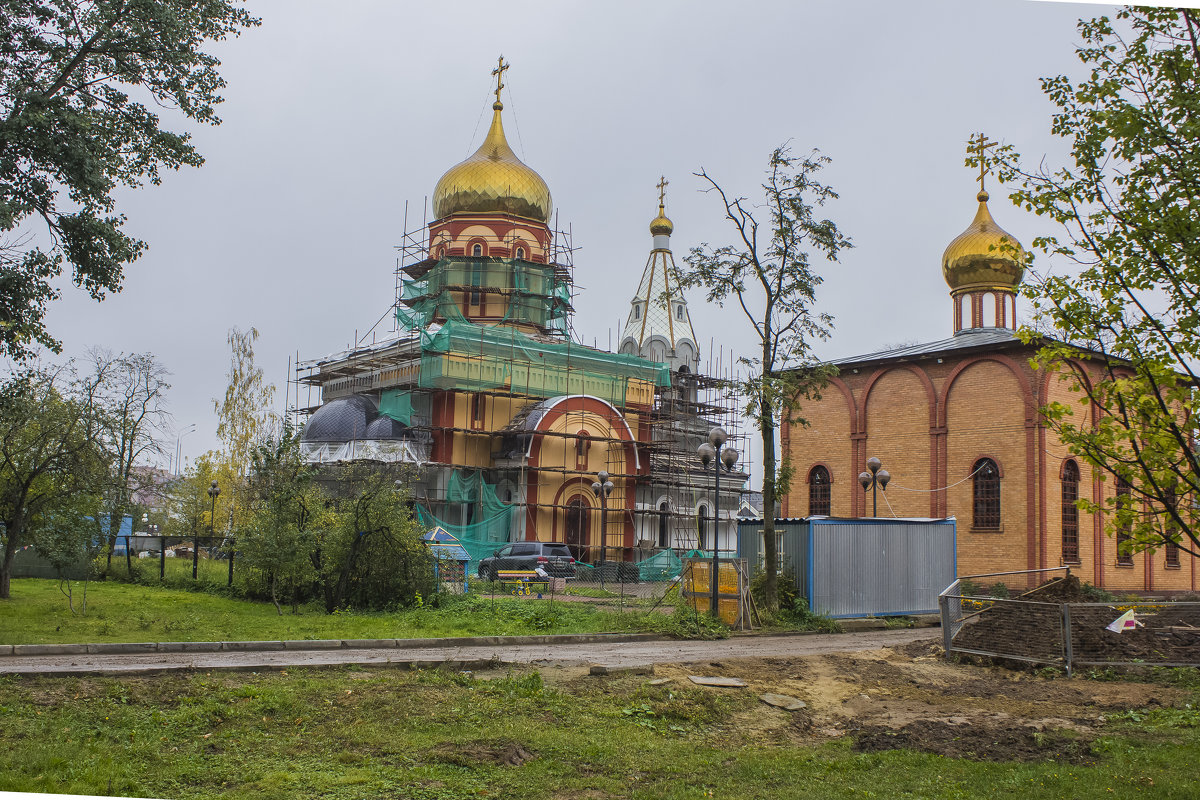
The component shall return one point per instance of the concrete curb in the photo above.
(126, 648)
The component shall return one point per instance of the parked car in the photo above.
(553, 557)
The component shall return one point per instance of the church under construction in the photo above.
(504, 417)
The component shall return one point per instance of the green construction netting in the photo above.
(660, 567)
(510, 290)
(462, 355)
(493, 517)
(403, 404)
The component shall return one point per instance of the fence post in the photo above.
(944, 607)
(1068, 654)
(231, 563)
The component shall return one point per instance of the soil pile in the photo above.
(1031, 627)
(978, 741)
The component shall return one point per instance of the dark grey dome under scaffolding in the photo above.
(342, 420)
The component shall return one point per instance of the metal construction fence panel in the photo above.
(879, 567)
(1043, 627)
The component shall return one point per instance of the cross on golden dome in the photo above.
(662, 189)
(980, 147)
(499, 73)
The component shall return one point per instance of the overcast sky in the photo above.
(333, 120)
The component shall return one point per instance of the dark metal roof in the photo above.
(965, 340)
(341, 420)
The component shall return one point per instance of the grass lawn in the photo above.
(357, 734)
(37, 613)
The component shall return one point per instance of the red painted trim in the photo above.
(1022, 381)
(442, 414)
(572, 488)
(1043, 522)
(1098, 530)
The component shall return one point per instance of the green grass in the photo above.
(357, 734)
(37, 613)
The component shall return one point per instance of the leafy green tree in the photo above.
(767, 274)
(76, 80)
(71, 536)
(50, 449)
(286, 510)
(371, 555)
(244, 418)
(1122, 290)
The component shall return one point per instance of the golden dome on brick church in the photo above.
(983, 256)
(493, 180)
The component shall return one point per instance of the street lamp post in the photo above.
(709, 453)
(602, 488)
(876, 479)
(213, 491)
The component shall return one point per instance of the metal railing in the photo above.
(1048, 630)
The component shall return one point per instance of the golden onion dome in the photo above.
(660, 225)
(493, 180)
(983, 256)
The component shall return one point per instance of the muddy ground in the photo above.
(909, 697)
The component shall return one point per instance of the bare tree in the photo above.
(132, 389)
(767, 275)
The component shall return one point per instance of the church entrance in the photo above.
(576, 532)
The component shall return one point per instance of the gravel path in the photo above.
(609, 654)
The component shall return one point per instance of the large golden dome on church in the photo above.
(493, 180)
(983, 256)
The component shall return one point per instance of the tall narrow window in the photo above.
(477, 250)
(1125, 532)
(679, 312)
(583, 441)
(477, 411)
(1070, 514)
(1171, 531)
(664, 524)
(702, 522)
(521, 252)
(987, 494)
(818, 492)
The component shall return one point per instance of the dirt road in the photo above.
(610, 654)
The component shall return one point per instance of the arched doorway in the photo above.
(576, 529)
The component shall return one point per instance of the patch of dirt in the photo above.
(908, 697)
(469, 754)
(976, 741)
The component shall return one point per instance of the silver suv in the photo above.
(553, 558)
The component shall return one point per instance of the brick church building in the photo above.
(956, 424)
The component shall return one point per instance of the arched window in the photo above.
(819, 492)
(987, 494)
(442, 251)
(576, 534)
(679, 311)
(989, 310)
(477, 250)
(1125, 532)
(521, 252)
(964, 312)
(583, 442)
(1070, 514)
(703, 522)
(1172, 532)
(664, 524)
(637, 312)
